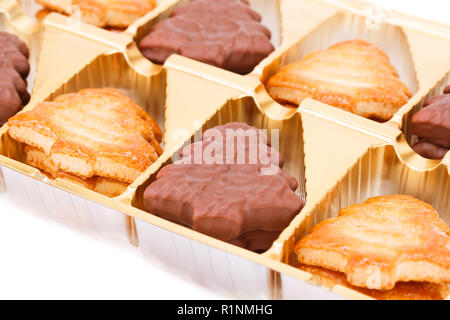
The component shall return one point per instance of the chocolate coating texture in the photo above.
(14, 68)
(227, 201)
(225, 33)
(432, 123)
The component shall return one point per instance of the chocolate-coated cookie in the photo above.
(432, 123)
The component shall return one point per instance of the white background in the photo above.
(42, 259)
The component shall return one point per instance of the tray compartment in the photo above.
(211, 262)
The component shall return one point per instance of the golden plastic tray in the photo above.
(338, 158)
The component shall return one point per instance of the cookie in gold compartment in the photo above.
(229, 186)
(380, 243)
(14, 69)
(96, 138)
(354, 75)
(224, 33)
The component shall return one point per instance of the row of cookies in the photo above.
(353, 75)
